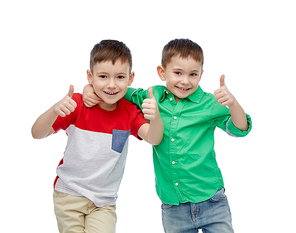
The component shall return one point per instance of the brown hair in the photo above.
(110, 50)
(184, 48)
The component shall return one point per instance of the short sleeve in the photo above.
(139, 121)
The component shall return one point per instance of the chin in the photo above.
(111, 102)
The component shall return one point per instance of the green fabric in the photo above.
(185, 163)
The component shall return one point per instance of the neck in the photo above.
(108, 107)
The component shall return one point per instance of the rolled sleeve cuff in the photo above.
(232, 130)
(130, 91)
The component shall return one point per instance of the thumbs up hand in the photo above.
(223, 95)
(150, 107)
(66, 105)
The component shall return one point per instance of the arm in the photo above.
(152, 133)
(90, 99)
(238, 116)
(225, 98)
(43, 125)
(89, 96)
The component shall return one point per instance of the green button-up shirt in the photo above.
(185, 163)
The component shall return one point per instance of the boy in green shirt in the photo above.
(188, 179)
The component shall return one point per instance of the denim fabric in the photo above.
(212, 216)
(119, 138)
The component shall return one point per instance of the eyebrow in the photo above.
(195, 71)
(174, 69)
(106, 73)
(122, 73)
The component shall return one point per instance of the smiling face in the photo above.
(182, 76)
(110, 81)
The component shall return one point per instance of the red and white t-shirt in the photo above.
(95, 155)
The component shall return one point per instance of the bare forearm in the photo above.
(225, 98)
(155, 132)
(238, 116)
(43, 125)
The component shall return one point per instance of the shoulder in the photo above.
(158, 91)
(159, 88)
(143, 94)
(131, 113)
(206, 96)
(127, 106)
(209, 97)
(210, 101)
(128, 109)
(77, 97)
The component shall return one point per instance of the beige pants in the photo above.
(79, 214)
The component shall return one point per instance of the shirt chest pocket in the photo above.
(119, 138)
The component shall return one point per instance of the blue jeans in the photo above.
(212, 216)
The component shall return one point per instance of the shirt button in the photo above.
(173, 162)
(171, 99)
(173, 140)
(175, 117)
(176, 184)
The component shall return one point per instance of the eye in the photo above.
(120, 77)
(177, 73)
(193, 74)
(103, 76)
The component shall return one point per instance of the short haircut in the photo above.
(110, 50)
(184, 48)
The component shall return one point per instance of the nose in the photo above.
(185, 80)
(111, 83)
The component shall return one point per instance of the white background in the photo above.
(45, 47)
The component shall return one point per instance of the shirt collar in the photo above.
(194, 97)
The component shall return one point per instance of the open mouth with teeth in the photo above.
(182, 89)
(111, 93)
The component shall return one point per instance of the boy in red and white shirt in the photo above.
(89, 175)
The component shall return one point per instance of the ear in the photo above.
(200, 75)
(131, 78)
(89, 76)
(160, 71)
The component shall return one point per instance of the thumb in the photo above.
(150, 93)
(222, 80)
(71, 91)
